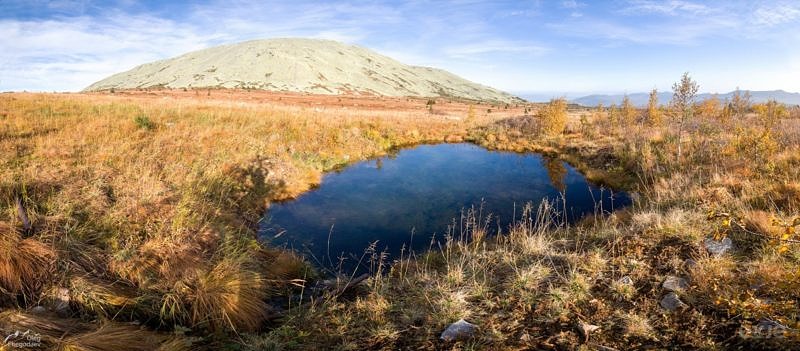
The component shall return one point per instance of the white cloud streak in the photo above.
(672, 8)
(778, 14)
(471, 50)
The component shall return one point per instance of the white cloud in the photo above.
(775, 15)
(673, 7)
(572, 4)
(69, 54)
(470, 50)
(670, 33)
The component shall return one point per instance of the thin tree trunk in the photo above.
(680, 140)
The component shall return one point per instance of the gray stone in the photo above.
(39, 310)
(689, 263)
(718, 248)
(62, 300)
(674, 284)
(585, 329)
(671, 302)
(461, 330)
(626, 280)
(768, 326)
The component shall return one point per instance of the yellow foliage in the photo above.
(553, 117)
(770, 113)
(627, 113)
(710, 107)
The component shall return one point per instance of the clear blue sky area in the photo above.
(525, 47)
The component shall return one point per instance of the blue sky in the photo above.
(525, 47)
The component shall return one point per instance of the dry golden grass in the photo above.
(161, 192)
(150, 190)
(113, 337)
(227, 296)
(59, 333)
(25, 264)
(45, 324)
(529, 287)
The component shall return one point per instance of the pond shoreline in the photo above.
(421, 189)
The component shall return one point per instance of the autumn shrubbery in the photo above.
(553, 117)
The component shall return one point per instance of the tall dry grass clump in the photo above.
(226, 296)
(25, 263)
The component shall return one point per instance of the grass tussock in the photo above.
(25, 263)
(226, 296)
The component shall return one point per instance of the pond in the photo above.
(424, 189)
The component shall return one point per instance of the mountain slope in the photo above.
(299, 65)
(640, 99)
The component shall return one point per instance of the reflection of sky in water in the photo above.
(423, 188)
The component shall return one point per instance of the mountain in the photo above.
(299, 65)
(641, 99)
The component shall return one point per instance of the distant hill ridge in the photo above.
(641, 99)
(300, 65)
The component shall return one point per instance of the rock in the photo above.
(62, 300)
(671, 302)
(586, 329)
(770, 327)
(461, 330)
(718, 248)
(674, 284)
(39, 310)
(689, 263)
(626, 280)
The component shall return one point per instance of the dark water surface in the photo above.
(424, 188)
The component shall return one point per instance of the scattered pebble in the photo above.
(586, 329)
(689, 263)
(671, 302)
(626, 280)
(718, 248)
(62, 300)
(674, 284)
(461, 330)
(768, 325)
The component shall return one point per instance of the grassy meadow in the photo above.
(128, 223)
